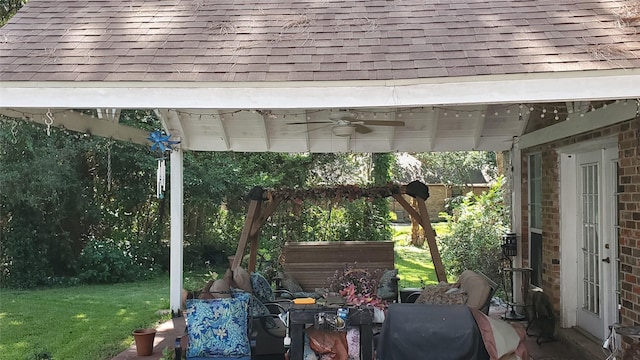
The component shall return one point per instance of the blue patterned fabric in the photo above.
(261, 288)
(218, 327)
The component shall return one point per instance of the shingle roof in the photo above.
(304, 40)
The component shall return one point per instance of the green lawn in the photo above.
(414, 264)
(84, 322)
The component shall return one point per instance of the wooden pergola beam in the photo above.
(431, 240)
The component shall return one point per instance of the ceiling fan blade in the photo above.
(361, 129)
(313, 129)
(310, 122)
(381, 122)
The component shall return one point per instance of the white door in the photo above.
(596, 240)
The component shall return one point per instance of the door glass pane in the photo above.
(590, 231)
(535, 191)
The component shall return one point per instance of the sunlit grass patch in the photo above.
(414, 264)
(83, 322)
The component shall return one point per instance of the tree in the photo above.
(381, 174)
(452, 169)
(8, 8)
(47, 205)
(70, 202)
(457, 168)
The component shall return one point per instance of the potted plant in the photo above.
(144, 341)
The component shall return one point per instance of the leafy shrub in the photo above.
(23, 255)
(474, 233)
(105, 262)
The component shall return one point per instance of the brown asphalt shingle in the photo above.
(298, 40)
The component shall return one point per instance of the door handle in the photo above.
(607, 260)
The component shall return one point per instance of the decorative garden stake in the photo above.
(161, 143)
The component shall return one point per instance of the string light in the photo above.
(359, 113)
(364, 114)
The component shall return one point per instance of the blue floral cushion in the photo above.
(218, 327)
(261, 288)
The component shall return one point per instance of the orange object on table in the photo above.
(304, 301)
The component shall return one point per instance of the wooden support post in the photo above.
(257, 226)
(255, 207)
(429, 233)
(425, 222)
(407, 207)
(253, 252)
(253, 239)
(254, 235)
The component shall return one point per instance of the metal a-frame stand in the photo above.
(258, 213)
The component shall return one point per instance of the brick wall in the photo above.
(629, 216)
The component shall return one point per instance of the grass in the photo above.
(84, 322)
(414, 264)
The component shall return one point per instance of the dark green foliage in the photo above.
(475, 234)
(382, 165)
(458, 167)
(46, 202)
(106, 262)
(8, 8)
(58, 191)
(54, 195)
(25, 260)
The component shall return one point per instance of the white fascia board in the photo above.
(547, 87)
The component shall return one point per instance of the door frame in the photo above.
(568, 167)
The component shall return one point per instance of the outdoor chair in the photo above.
(264, 330)
(477, 287)
(268, 332)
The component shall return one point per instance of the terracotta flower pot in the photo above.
(144, 341)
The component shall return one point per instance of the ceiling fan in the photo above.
(345, 123)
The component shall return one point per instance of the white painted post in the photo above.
(177, 228)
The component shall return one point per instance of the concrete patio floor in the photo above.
(571, 344)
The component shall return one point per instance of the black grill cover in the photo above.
(423, 332)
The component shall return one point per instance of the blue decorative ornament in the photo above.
(160, 142)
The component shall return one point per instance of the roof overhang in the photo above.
(440, 114)
(547, 87)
